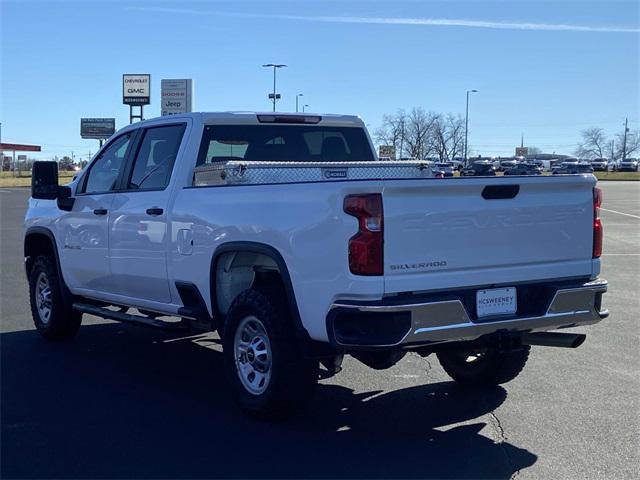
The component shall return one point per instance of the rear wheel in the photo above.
(488, 366)
(52, 314)
(264, 363)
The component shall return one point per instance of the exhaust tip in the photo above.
(554, 339)
(579, 340)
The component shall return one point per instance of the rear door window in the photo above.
(156, 155)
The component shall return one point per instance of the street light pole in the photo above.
(298, 95)
(466, 126)
(274, 88)
(275, 66)
(624, 141)
(303, 107)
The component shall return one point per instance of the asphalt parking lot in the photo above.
(121, 401)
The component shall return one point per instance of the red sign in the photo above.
(16, 147)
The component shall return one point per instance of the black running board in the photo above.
(132, 319)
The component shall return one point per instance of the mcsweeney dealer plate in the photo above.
(497, 301)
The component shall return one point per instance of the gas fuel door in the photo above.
(185, 241)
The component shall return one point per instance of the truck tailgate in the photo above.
(447, 233)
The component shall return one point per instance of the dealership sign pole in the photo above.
(136, 92)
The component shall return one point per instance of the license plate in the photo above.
(497, 301)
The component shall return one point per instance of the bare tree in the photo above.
(456, 136)
(534, 151)
(448, 137)
(633, 144)
(420, 134)
(392, 131)
(593, 145)
(418, 131)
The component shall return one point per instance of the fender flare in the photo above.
(52, 239)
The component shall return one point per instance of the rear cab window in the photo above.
(283, 143)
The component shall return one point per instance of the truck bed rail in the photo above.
(265, 173)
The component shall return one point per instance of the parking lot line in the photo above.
(620, 213)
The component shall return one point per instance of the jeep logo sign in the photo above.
(175, 96)
(136, 89)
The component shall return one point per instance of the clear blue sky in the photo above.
(545, 69)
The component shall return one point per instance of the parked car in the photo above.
(301, 250)
(538, 163)
(457, 163)
(479, 169)
(506, 164)
(524, 169)
(573, 168)
(600, 165)
(445, 168)
(558, 165)
(628, 165)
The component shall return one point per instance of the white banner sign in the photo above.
(176, 96)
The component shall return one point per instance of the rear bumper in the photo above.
(414, 321)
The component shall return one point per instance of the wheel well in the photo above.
(236, 271)
(242, 265)
(36, 244)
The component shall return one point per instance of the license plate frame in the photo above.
(496, 302)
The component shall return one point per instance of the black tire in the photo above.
(63, 321)
(292, 378)
(491, 367)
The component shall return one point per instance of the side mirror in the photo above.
(44, 180)
(65, 200)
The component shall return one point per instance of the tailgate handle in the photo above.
(498, 192)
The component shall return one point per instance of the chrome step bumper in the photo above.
(422, 323)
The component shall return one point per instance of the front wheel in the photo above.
(483, 367)
(264, 363)
(52, 314)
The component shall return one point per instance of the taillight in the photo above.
(597, 223)
(366, 246)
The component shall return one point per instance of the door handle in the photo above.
(100, 211)
(155, 211)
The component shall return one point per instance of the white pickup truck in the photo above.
(285, 234)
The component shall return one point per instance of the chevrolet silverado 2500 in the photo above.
(285, 234)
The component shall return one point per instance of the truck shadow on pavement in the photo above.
(125, 402)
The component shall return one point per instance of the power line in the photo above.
(567, 124)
